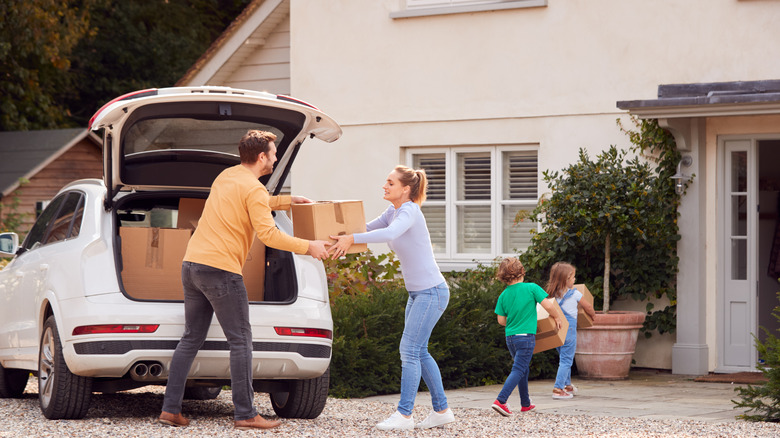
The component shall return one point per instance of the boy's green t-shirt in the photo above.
(518, 303)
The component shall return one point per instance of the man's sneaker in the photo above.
(502, 408)
(436, 419)
(527, 408)
(560, 394)
(571, 389)
(397, 422)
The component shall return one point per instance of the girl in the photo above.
(404, 229)
(561, 287)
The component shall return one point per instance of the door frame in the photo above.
(724, 236)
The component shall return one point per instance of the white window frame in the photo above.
(450, 259)
(420, 8)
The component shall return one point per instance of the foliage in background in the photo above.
(467, 343)
(36, 40)
(60, 61)
(10, 217)
(764, 400)
(357, 273)
(584, 204)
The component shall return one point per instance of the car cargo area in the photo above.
(153, 236)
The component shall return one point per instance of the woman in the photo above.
(402, 226)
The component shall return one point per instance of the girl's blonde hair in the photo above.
(416, 180)
(510, 270)
(559, 275)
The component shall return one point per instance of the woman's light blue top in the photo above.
(405, 231)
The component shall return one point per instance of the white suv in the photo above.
(92, 300)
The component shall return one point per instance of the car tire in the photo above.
(202, 392)
(12, 382)
(305, 399)
(62, 394)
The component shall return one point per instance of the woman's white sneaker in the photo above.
(436, 419)
(397, 422)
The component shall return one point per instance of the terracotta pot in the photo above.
(605, 350)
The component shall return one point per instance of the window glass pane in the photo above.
(61, 225)
(435, 170)
(436, 220)
(474, 229)
(38, 230)
(739, 215)
(738, 259)
(517, 235)
(474, 176)
(739, 171)
(520, 175)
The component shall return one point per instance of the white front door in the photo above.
(737, 315)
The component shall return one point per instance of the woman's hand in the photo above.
(341, 246)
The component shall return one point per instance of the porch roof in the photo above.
(709, 99)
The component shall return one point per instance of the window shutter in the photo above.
(474, 177)
(521, 175)
(435, 171)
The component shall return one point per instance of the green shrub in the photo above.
(467, 343)
(764, 400)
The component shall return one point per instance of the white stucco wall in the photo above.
(549, 76)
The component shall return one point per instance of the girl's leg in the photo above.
(566, 355)
(423, 310)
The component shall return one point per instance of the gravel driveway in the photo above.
(133, 414)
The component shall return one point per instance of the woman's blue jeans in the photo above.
(566, 355)
(423, 310)
(209, 291)
(521, 347)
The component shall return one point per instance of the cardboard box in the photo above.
(547, 334)
(583, 320)
(254, 272)
(320, 220)
(190, 210)
(151, 262)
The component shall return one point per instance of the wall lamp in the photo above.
(680, 178)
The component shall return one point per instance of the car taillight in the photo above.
(308, 332)
(128, 96)
(115, 328)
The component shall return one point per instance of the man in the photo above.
(237, 208)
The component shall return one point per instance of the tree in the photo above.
(140, 44)
(36, 38)
(616, 221)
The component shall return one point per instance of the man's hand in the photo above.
(300, 200)
(318, 249)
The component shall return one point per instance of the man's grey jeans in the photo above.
(209, 291)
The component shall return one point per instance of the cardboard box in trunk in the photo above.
(547, 334)
(320, 220)
(151, 261)
(583, 320)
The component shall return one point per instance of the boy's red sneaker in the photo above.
(502, 408)
(527, 408)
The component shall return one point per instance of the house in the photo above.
(487, 94)
(47, 160)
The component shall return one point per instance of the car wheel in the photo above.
(12, 382)
(61, 393)
(306, 398)
(202, 392)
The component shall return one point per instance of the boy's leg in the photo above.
(525, 351)
(514, 376)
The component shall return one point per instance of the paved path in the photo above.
(646, 394)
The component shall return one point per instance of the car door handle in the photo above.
(44, 267)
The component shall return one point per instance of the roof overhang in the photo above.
(708, 100)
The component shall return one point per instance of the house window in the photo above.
(474, 198)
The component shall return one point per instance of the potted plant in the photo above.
(614, 218)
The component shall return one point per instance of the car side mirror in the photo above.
(9, 244)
